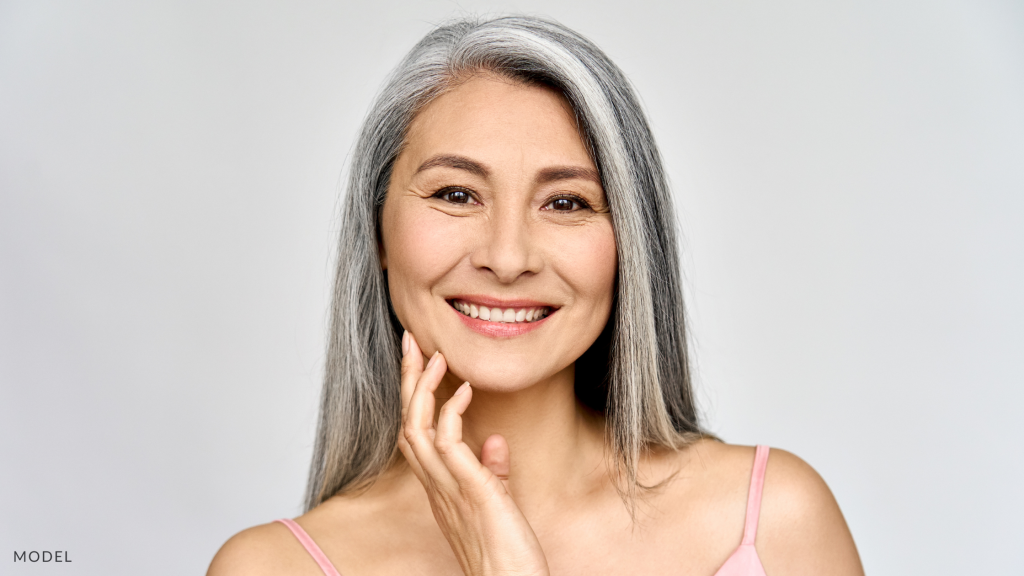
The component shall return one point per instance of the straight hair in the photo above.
(636, 374)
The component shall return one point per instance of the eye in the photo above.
(566, 204)
(454, 195)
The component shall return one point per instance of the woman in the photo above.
(507, 388)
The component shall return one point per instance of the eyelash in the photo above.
(583, 205)
(579, 202)
(450, 189)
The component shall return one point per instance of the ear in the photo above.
(382, 254)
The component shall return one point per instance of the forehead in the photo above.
(498, 121)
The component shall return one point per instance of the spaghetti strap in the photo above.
(744, 560)
(311, 547)
(754, 495)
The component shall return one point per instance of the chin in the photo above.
(504, 377)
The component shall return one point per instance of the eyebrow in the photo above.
(552, 174)
(567, 173)
(457, 162)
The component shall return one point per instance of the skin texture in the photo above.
(510, 475)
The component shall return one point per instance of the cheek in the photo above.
(589, 261)
(421, 247)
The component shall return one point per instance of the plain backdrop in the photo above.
(850, 183)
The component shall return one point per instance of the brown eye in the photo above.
(454, 195)
(566, 204)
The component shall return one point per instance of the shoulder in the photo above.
(801, 529)
(793, 490)
(794, 487)
(262, 550)
(348, 528)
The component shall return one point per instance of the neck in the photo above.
(556, 445)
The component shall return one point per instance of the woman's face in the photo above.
(496, 234)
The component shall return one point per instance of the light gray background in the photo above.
(851, 184)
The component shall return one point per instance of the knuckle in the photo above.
(443, 445)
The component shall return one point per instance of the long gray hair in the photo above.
(637, 373)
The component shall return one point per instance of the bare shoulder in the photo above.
(383, 528)
(343, 527)
(262, 550)
(802, 530)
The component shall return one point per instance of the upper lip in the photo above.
(490, 302)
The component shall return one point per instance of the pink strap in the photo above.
(754, 495)
(311, 547)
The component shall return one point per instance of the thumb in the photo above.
(494, 456)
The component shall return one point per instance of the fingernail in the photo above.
(461, 389)
(433, 359)
(405, 342)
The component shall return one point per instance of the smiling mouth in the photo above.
(502, 315)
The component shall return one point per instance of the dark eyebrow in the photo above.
(567, 173)
(457, 162)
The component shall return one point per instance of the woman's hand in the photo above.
(470, 499)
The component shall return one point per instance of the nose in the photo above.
(507, 248)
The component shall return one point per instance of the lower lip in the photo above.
(500, 329)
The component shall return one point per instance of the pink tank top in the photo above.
(743, 561)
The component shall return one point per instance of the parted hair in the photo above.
(636, 374)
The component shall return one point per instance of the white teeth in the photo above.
(508, 315)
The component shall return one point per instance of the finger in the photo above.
(418, 427)
(457, 456)
(449, 419)
(412, 368)
(420, 414)
(494, 455)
